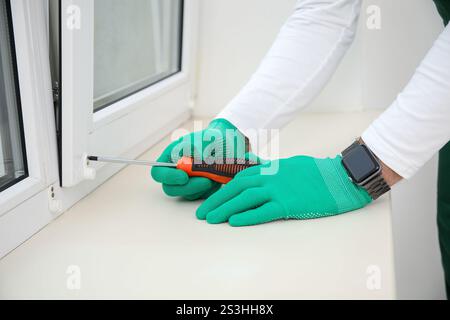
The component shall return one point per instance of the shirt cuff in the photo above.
(381, 147)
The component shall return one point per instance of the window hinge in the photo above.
(57, 106)
(54, 205)
(56, 92)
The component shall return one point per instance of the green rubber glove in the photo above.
(300, 188)
(220, 140)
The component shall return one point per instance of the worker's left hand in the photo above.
(296, 188)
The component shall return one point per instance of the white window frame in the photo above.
(32, 203)
(85, 132)
(24, 207)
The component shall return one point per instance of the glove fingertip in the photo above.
(155, 173)
(236, 221)
(201, 213)
(213, 219)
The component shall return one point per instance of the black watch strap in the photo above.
(376, 186)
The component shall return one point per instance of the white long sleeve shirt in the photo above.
(303, 58)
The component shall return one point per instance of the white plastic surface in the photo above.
(128, 240)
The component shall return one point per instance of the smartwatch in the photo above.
(364, 169)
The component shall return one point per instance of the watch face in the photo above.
(360, 164)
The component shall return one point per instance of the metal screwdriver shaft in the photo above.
(132, 162)
(219, 172)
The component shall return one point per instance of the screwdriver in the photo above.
(222, 172)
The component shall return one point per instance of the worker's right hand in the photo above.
(220, 140)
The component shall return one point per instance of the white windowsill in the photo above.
(131, 241)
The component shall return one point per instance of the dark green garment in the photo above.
(444, 181)
(444, 211)
(444, 9)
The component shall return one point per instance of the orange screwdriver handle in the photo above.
(221, 173)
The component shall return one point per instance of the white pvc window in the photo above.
(126, 78)
(13, 166)
(28, 162)
(114, 99)
(121, 110)
(136, 44)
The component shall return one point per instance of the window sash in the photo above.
(85, 131)
(13, 149)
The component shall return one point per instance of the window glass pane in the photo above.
(12, 159)
(137, 43)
